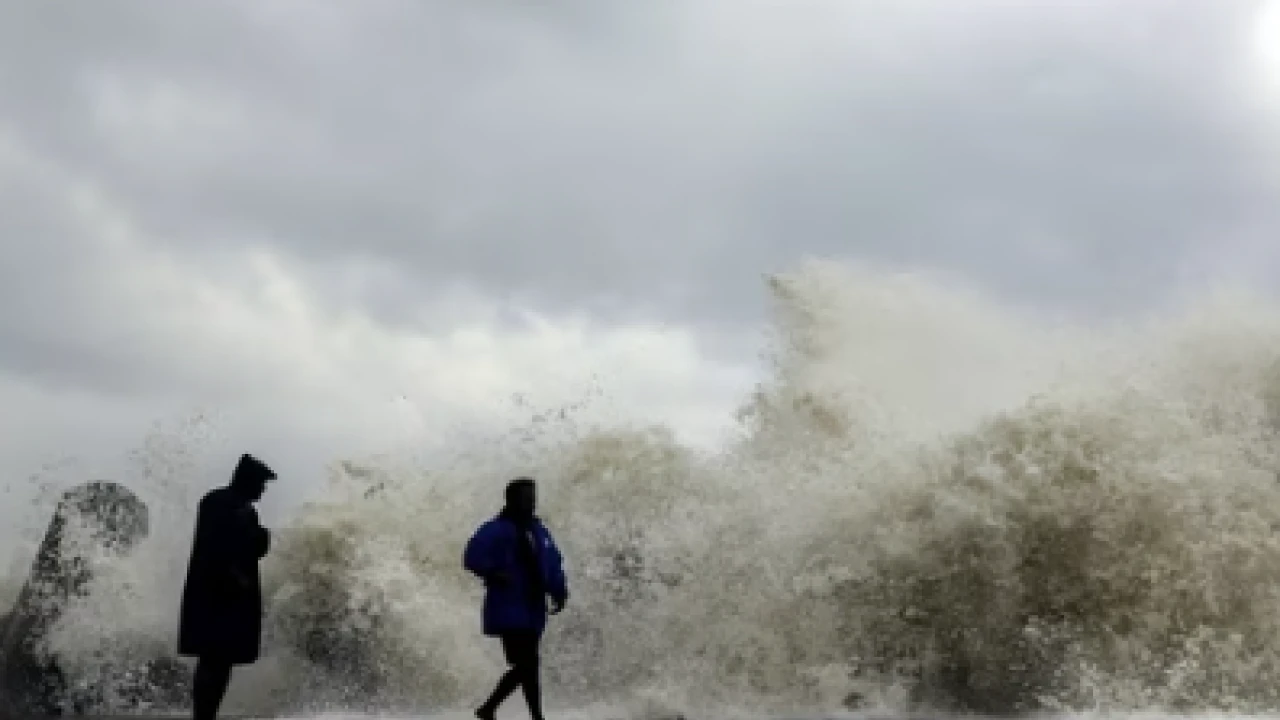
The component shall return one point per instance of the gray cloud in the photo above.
(288, 210)
(657, 160)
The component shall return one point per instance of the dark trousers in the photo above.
(209, 686)
(521, 650)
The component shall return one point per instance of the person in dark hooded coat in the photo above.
(221, 617)
(521, 567)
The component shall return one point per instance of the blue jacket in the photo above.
(494, 551)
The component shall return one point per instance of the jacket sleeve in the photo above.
(216, 528)
(261, 541)
(219, 540)
(480, 557)
(256, 540)
(557, 583)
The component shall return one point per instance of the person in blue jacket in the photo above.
(521, 567)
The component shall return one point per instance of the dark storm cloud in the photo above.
(658, 158)
(414, 159)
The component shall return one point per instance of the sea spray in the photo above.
(931, 501)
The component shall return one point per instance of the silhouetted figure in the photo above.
(221, 620)
(520, 565)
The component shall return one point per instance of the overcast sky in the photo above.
(344, 227)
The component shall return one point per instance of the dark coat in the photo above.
(221, 615)
(513, 601)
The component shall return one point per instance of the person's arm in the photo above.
(481, 556)
(259, 538)
(557, 583)
(223, 542)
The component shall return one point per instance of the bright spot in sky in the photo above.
(1267, 38)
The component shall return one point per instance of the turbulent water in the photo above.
(932, 502)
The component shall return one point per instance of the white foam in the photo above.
(934, 499)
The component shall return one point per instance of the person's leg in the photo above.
(527, 665)
(507, 685)
(209, 687)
